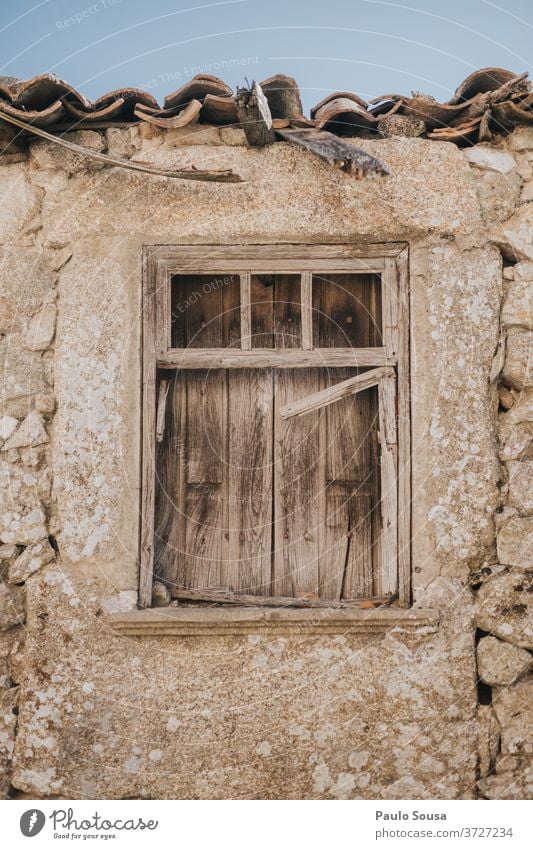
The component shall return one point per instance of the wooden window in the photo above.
(276, 462)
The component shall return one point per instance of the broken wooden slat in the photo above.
(223, 176)
(335, 393)
(161, 410)
(224, 596)
(254, 115)
(336, 151)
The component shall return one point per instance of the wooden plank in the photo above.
(169, 533)
(275, 358)
(225, 596)
(389, 489)
(297, 486)
(346, 566)
(331, 394)
(390, 299)
(249, 473)
(258, 256)
(358, 573)
(404, 436)
(146, 552)
(205, 503)
(246, 316)
(336, 152)
(307, 310)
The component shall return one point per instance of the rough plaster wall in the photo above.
(393, 716)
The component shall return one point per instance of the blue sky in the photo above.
(369, 46)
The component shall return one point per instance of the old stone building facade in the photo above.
(431, 702)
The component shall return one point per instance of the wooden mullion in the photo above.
(306, 296)
(246, 311)
(194, 358)
(162, 311)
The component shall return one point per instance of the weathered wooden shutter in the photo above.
(276, 467)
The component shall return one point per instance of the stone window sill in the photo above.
(215, 622)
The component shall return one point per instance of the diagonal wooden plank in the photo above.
(335, 393)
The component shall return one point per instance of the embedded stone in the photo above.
(522, 410)
(504, 607)
(8, 725)
(45, 403)
(517, 370)
(233, 136)
(489, 158)
(498, 194)
(90, 139)
(523, 271)
(518, 305)
(517, 735)
(489, 738)
(7, 426)
(160, 595)
(526, 194)
(501, 663)
(22, 375)
(510, 701)
(520, 488)
(11, 606)
(521, 138)
(7, 552)
(122, 143)
(30, 432)
(515, 236)
(516, 441)
(515, 542)
(513, 783)
(193, 134)
(33, 558)
(22, 518)
(41, 328)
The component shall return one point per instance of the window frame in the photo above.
(390, 261)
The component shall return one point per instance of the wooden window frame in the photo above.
(390, 261)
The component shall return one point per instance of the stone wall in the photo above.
(88, 713)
